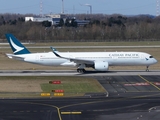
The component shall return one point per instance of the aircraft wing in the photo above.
(12, 56)
(75, 60)
(80, 61)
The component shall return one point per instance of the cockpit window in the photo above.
(150, 56)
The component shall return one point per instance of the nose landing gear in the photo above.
(147, 69)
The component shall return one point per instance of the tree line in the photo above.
(101, 28)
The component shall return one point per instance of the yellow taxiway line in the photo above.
(149, 82)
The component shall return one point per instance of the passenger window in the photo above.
(150, 56)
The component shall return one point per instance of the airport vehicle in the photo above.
(100, 61)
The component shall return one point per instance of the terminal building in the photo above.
(55, 19)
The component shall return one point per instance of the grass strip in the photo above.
(32, 86)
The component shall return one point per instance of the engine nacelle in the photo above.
(101, 65)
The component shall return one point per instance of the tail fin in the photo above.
(16, 46)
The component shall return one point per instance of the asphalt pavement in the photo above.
(129, 98)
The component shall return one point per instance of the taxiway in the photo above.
(74, 73)
(129, 97)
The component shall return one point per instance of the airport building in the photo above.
(38, 19)
(55, 19)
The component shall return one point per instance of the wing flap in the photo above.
(81, 61)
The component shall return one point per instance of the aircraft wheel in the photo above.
(81, 70)
(147, 70)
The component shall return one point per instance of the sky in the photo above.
(124, 7)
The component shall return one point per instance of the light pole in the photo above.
(90, 6)
(62, 7)
(157, 14)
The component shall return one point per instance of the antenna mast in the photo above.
(62, 7)
(157, 14)
(41, 8)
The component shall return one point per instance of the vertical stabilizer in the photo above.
(16, 46)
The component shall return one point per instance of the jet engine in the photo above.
(101, 65)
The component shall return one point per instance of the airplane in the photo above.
(100, 61)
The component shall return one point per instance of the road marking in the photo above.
(58, 109)
(137, 84)
(66, 113)
(153, 108)
(149, 82)
(157, 83)
(141, 91)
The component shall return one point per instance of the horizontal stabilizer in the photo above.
(12, 56)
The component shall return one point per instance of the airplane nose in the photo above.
(155, 61)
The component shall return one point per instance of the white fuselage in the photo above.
(113, 58)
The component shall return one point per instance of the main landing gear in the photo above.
(147, 69)
(81, 70)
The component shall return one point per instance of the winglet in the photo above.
(55, 52)
(16, 46)
(53, 49)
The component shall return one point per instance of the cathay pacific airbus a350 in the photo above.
(100, 61)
